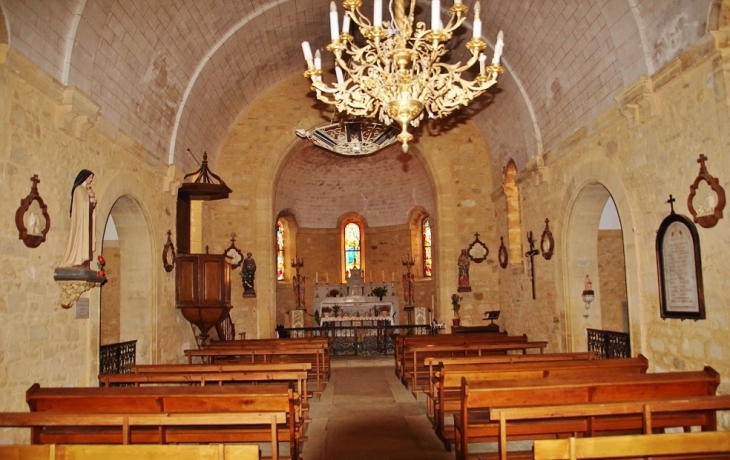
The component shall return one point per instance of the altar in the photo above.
(356, 301)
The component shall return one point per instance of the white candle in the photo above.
(318, 60)
(340, 75)
(392, 277)
(498, 47)
(382, 274)
(307, 54)
(477, 26)
(334, 22)
(327, 276)
(435, 14)
(346, 23)
(316, 277)
(378, 13)
(482, 63)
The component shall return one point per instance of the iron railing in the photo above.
(357, 340)
(609, 344)
(117, 358)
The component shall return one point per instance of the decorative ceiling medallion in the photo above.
(351, 138)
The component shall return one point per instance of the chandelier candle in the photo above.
(396, 74)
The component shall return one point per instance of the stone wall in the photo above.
(640, 151)
(612, 274)
(53, 131)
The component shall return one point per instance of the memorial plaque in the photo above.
(680, 269)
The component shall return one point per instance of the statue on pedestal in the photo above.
(248, 274)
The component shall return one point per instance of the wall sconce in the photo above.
(588, 294)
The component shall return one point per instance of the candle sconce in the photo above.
(588, 295)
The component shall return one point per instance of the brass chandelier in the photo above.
(397, 75)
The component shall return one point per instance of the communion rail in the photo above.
(609, 344)
(357, 340)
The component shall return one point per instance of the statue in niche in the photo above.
(463, 264)
(81, 238)
(248, 274)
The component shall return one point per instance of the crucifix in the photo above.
(530, 263)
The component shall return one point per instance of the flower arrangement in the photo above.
(100, 263)
(379, 292)
(456, 304)
(336, 310)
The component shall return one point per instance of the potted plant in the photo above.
(379, 292)
(456, 306)
(336, 310)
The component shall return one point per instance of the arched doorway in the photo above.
(595, 248)
(126, 299)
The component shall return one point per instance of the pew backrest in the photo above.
(137, 452)
(633, 446)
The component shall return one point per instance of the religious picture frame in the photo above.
(31, 218)
(234, 254)
(168, 253)
(547, 243)
(706, 199)
(503, 255)
(477, 250)
(679, 263)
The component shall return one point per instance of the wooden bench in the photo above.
(125, 423)
(176, 377)
(137, 452)
(699, 445)
(447, 380)
(633, 414)
(268, 353)
(473, 423)
(433, 362)
(401, 341)
(273, 398)
(416, 354)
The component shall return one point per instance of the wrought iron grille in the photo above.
(359, 340)
(117, 358)
(609, 344)
(226, 329)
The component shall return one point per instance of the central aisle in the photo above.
(366, 413)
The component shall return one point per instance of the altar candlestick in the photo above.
(382, 273)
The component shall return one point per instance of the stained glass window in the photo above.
(427, 255)
(280, 258)
(352, 246)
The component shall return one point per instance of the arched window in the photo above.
(512, 193)
(280, 256)
(352, 238)
(426, 246)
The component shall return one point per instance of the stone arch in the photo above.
(591, 185)
(138, 304)
(719, 15)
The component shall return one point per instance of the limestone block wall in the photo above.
(640, 151)
(54, 131)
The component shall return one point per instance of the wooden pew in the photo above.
(417, 353)
(699, 445)
(137, 452)
(433, 362)
(635, 412)
(261, 375)
(447, 380)
(472, 424)
(128, 401)
(125, 423)
(316, 354)
(402, 340)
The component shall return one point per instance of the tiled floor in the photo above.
(366, 413)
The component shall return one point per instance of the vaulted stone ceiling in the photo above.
(175, 74)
